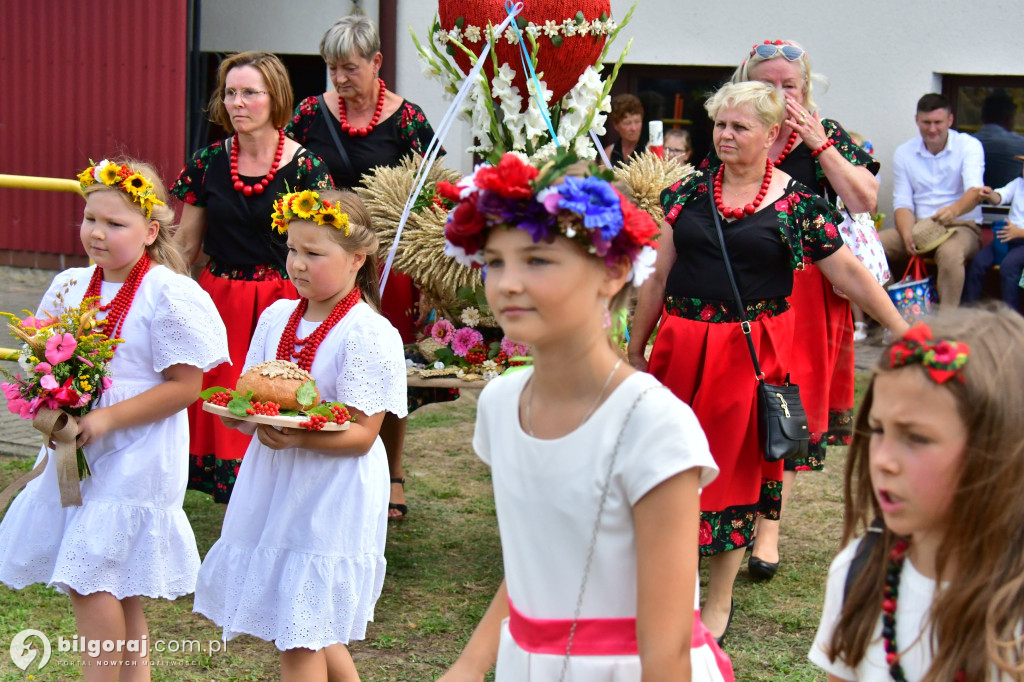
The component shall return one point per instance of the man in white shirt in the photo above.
(937, 175)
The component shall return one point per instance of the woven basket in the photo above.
(428, 348)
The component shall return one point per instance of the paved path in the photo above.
(23, 288)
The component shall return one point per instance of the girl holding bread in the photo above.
(300, 561)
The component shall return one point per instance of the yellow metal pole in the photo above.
(46, 184)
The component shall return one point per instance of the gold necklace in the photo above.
(529, 422)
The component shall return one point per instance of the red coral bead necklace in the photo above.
(258, 187)
(787, 149)
(117, 310)
(750, 208)
(368, 128)
(290, 341)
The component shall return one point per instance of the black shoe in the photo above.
(403, 510)
(720, 641)
(760, 569)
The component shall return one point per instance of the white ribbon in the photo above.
(434, 148)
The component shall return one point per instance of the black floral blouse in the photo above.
(238, 232)
(407, 130)
(800, 224)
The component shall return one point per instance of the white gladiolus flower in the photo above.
(584, 148)
(505, 74)
(643, 267)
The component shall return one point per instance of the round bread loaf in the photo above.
(275, 381)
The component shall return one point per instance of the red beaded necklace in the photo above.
(787, 149)
(749, 209)
(890, 593)
(367, 129)
(290, 340)
(118, 308)
(258, 188)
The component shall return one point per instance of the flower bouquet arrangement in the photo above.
(465, 342)
(66, 363)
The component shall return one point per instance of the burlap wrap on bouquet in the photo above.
(61, 429)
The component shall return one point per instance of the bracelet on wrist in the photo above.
(819, 150)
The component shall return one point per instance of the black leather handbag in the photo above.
(781, 419)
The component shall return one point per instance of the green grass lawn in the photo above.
(444, 563)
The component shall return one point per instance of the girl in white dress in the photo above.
(596, 467)
(935, 592)
(300, 560)
(130, 537)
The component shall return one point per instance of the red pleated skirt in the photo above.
(821, 362)
(240, 303)
(707, 366)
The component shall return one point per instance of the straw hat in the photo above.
(928, 235)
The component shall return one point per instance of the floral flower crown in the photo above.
(138, 188)
(943, 359)
(307, 205)
(513, 193)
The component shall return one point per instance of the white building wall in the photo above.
(879, 56)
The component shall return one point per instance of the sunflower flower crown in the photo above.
(136, 185)
(307, 205)
(589, 211)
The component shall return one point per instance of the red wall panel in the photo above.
(81, 80)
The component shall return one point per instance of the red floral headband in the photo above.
(943, 359)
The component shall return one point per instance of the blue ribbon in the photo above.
(524, 57)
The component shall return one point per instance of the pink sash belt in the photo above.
(599, 637)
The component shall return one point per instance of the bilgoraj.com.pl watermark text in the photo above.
(33, 646)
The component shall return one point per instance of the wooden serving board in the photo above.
(282, 421)
(442, 382)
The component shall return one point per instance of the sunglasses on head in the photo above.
(768, 50)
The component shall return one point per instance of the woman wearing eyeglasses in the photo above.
(229, 188)
(358, 125)
(817, 152)
(771, 224)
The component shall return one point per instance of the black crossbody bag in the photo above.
(781, 419)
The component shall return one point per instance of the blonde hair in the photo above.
(742, 73)
(976, 612)
(765, 100)
(164, 250)
(275, 77)
(360, 239)
(354, 34)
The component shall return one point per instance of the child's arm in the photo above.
(482, 649)
(666, 521)
(179, 389)
(356, 441)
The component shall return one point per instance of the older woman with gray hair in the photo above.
(770, 224)
(355, 127)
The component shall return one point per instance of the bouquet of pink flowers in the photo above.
(66, 365)
(467, 336)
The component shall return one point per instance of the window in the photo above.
(674, 94)
(966, 94)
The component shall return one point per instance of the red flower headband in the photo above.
(943, 359)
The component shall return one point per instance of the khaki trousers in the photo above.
(951, 258)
